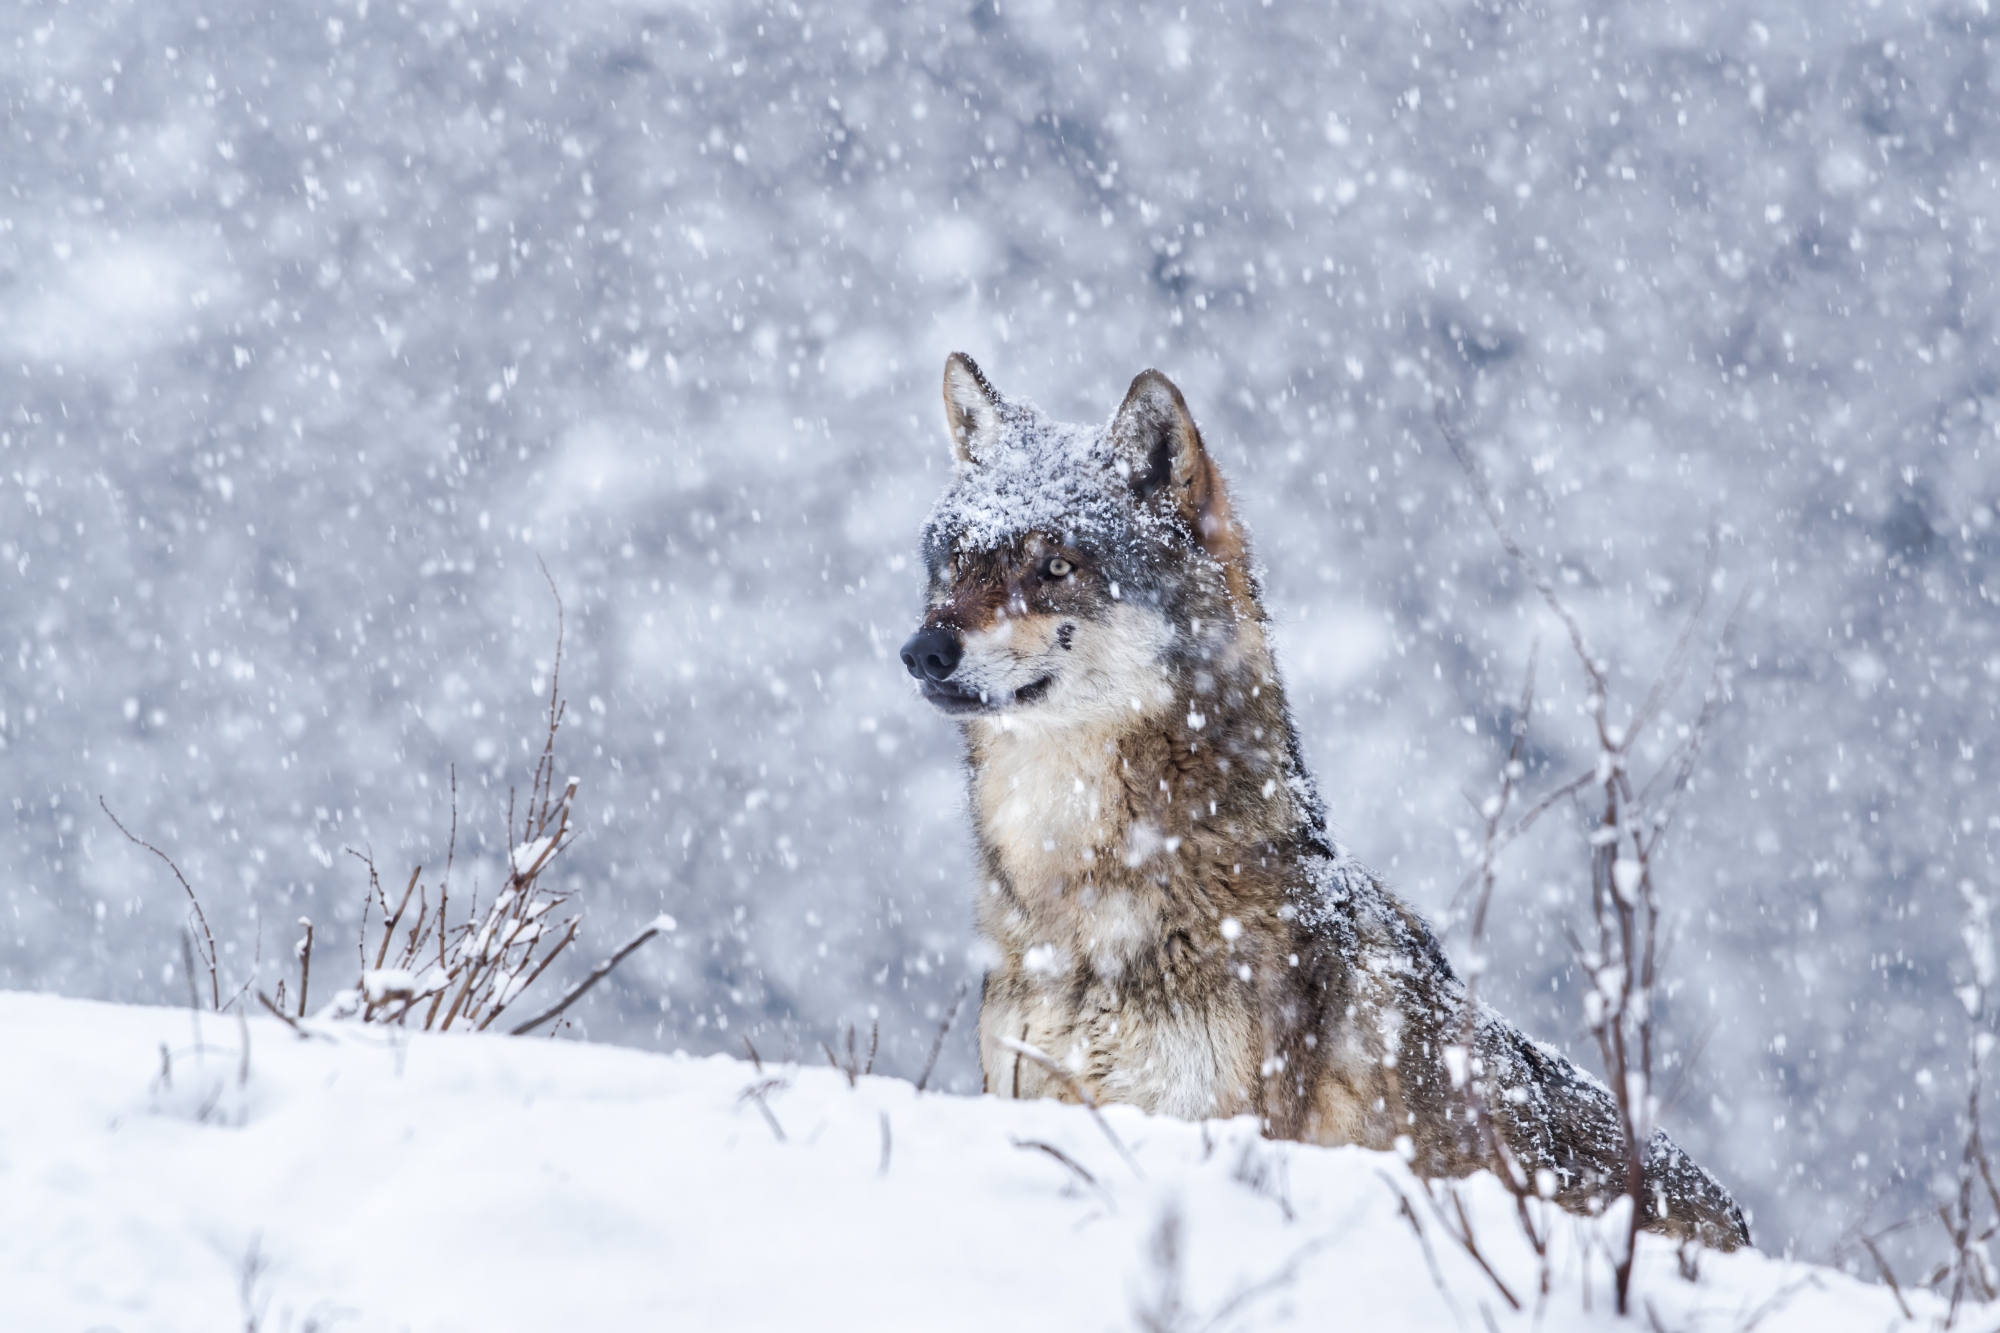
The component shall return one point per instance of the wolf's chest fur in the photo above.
(1110, 925)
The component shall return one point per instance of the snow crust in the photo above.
(483, 1183)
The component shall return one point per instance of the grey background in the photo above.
(319, 324)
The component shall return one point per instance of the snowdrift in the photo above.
(153, 1177)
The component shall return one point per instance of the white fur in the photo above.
(1109, 676)
(1051, 799)
(1049, 791)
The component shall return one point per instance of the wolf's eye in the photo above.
(1058, 568)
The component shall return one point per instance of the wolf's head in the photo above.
(1079, 574)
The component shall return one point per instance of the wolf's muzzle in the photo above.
(933, 654)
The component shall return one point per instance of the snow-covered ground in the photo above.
(489, 1183)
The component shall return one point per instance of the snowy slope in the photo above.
(494, 1183)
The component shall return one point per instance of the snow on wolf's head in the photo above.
(1078, 574)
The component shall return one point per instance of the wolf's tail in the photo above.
(1684, 1200)
(1556, 1117)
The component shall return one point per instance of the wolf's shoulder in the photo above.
(1347, 904)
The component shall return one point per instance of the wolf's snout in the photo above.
(933, 654)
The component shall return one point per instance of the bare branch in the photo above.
(1888, 1276)
(304, 949)
(597, 974)
(1681, 765)
(757, 1092)
(1076, 1168)
(1077, 1090)
(201, 918)
(1409, 1214)
(1675, 670)
(389, 928)
(304, 1033)
(937, 1045)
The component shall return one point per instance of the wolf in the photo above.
(1174, 925)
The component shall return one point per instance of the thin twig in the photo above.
(194, 996)
(597, 974)
(1076, 1168)
(1675, 670)
(304, 1034)
(1684, 1073)
(256, 959)
(756, 1093)
(1888, 1276)
(214, 984)
(1409, 1213)
(389, 927)
(938, 1044)
(1467, 1241)
(1077, 1090)
(305, 952)
(1256, 1291)
(450, 855)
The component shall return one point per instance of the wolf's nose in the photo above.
(932, 654)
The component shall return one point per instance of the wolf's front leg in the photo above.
(1013, 1012)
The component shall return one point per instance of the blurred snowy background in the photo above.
(321, 323)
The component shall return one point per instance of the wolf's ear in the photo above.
(971, 409)
(1160, 452)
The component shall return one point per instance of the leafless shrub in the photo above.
(1622, 952)
(469, 971)
(421, 965)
